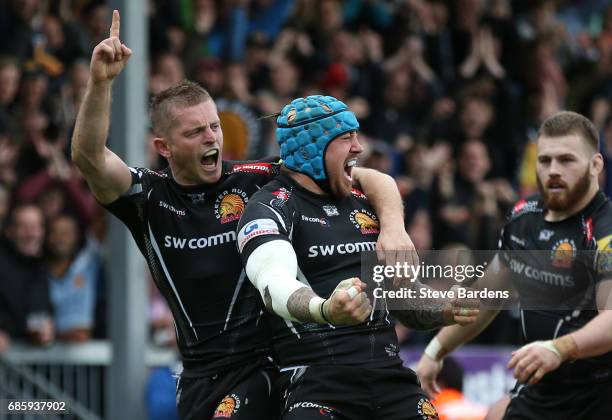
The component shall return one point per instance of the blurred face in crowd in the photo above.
(63, 237)
(79, 74)
(475, 117)
(52, 201)
(34, 124)
(474, 163)
(52, 28)
(398, 85)
(33, 91)
(26, 9)
(27, 230)
(193, 144)
(210, 75)
(567, 169)
(340, 158)
(284, 78)
(97, 23)
(9, 83)
(330, 12)
(169, 66)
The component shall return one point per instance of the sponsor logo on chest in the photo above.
(172, 209)
(319, 220)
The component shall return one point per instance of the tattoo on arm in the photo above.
(421, 313)
(298, 302)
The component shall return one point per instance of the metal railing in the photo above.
(72, 373)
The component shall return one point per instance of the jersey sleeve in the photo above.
(266, 218)
(129, 207)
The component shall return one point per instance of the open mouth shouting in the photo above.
(210, 159)
(348, 169)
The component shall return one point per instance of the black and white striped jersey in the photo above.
(329, 236)
(188, 235)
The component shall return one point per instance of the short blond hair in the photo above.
(183, 94)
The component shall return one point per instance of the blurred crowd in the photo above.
(449, 95)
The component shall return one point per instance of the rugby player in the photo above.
(565, 369)
(184, 221)
(301, 238)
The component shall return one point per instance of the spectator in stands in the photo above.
(10, 74)
(57, 187)
(74, 271)
(465, 203)
(25, 310)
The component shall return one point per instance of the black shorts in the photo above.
(571, 402)
(244, 393)
(341, 392)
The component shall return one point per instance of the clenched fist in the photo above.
(348, 304)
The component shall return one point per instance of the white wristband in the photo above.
(433, 349)
(314, 306)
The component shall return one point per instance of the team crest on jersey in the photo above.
(228, 406)
(563, 253)
(256, 167)
(230, 204)
(365, 221)
(282, 196)
(426, 410)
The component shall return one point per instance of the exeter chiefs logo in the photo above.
(365, 221)
(563, 253)
(229, 205)
(228, 406)
(426, 409)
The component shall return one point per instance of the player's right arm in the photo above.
(271, 264)
(451, 337)
(107, 175)
(272, 268)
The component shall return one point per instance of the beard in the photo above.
(562, 202)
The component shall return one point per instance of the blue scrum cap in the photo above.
(306, 126)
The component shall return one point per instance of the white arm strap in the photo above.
(274, 265)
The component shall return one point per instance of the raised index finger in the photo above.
(114, 29)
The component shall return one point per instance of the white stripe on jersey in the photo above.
(278, 215)
(167, 273)
(236, 291)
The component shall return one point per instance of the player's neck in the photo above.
(306, 182)
(556, 216)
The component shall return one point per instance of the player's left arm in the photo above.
(532, 361)
(383, 194)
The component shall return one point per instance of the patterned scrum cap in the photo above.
(306, 126)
